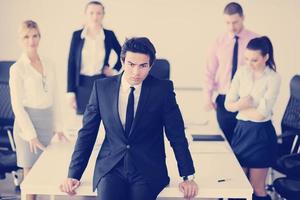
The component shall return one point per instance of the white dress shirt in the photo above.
(28, 88)
(264, 90)
(93, 53)
(123, 98)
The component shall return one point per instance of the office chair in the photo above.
(8, 161)
(161, 69)
(288, 162)
(6, 114)
(290, 124)
(287, 188)
(290, 165)
(289, 140)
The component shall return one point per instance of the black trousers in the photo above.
(226, 120)
(124, 183)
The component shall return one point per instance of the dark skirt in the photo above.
(84, 91)
(255, 144)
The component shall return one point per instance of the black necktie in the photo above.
(235, 56)
(129, 112)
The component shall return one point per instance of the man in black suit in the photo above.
(135, 109)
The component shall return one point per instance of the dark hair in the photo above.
(93, 3)
(233, 8)
(139, 45)
(264, 45)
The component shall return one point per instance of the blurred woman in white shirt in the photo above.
(34, 100)
(253, 93)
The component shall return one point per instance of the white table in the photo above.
(213, 162)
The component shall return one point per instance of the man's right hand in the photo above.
(69, 186)
(210, 106)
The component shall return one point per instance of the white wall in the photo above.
(181, 31)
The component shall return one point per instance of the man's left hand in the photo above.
(189, 189)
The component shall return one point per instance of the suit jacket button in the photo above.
(128, 146)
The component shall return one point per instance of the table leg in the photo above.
(23, 195)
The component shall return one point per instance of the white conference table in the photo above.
(213, 161)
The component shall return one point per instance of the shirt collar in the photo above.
(267, 70)
(25, 58)
(125, 86)
(99, 35)
(240, 35)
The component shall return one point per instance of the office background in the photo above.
(182, 32)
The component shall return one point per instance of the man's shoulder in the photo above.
(251, 34)
(221, 37)
(107, 80)
(160, 83)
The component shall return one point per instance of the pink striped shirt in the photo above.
(219, 62)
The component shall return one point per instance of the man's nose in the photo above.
(136, 70)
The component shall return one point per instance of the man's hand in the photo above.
(210, 106)
(69, 186)
(189, 189)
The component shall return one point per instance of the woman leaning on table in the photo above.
(253, 93)
(89, 56)
(34, 99)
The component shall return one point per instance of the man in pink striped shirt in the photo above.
(228, 49)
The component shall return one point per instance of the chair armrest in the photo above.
(286, 134)
(9, 130)
(6, 128)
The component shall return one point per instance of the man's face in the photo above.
(234, 23)
(136, 67)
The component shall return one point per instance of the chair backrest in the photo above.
(291, 118)
(4, 70)
(6, 113)
(161, 69)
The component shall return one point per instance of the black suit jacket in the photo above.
(74, 62)
(157, 110)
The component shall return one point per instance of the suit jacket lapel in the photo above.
(145, 91)
(115, 99)
(78, 55)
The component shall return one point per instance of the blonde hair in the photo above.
(27, 25)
